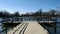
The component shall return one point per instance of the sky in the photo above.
(24, 6)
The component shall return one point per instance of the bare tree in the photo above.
(16, 14)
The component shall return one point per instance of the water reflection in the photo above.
(0, 28)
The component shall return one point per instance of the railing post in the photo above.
(6, 26)
(55, 24)
(6, 29)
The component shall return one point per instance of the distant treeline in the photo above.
(40, 12)
(4, 13)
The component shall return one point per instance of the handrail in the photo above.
(55, 26)
(3, 30)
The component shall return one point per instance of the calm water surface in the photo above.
(58, 26)
(0, 24)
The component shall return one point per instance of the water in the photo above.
(29, 19)
(0, 24)
(52, 30)
(0, 28)
(58, 25)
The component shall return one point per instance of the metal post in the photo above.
(55, 24)
(6, 26)
(6, 29)
(12, 26)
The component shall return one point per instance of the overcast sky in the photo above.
(23, 6)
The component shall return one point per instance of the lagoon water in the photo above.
(0, 24)
(0, 28)
(57, 24)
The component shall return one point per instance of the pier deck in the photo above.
(30, 27)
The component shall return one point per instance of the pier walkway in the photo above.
(35, 28)
(28, 27)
